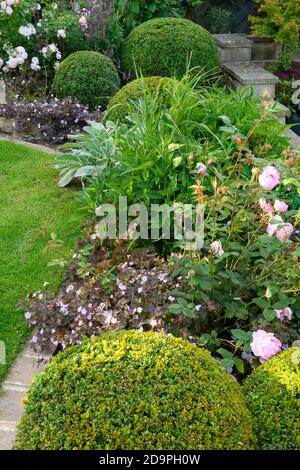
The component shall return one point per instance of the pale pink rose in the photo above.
(61, 33)
(83, 21)
(265, 345)
(280, 206)
(273, 225)
(284, 232)
(269, 178)
(216, 248)
(269, 209)
(262, 202)
(285, 313)
(1, 63)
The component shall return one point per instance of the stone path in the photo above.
(13, 391)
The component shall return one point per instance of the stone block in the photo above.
(248, 74)
(233, 48)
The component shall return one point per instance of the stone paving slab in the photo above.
(13, 392)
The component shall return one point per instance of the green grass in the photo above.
(30, 203)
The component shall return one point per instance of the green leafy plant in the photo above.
(280, 21)
(135, 12)
(130, 390)
(167, 46)
(88, 77)
(119, 106)
(219, 20)
(272, 393)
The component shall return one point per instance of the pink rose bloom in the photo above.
(272, 227)
(1, 63)
(216, 248)
(83, 21)
(265, 345)
(285, 313)
(280, 206)
(284, 232)
(269, 178)
(266, 206)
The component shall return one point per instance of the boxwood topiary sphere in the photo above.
(135, 391)
(272, 392)
(119, 105)
(88, 77)
(164, 46)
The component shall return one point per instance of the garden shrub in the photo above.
(280, 21)
(165, 46)
(131, 390)
(119, 105)
(87, 76)
(272, 392)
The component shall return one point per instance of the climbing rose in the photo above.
(269, 178)
(284, 232)
(216, 248)
(265, 345)
(280, 206)
(285, 313)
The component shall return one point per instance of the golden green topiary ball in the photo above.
(135, 391)
(119, 105)
(272, 393)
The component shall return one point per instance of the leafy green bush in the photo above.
(280, 21)
(131, 390)
(273, 395)
(135, 12)
(119, 105)
(164, 47)
(88, 77)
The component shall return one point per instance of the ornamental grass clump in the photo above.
(88, 77)
(166, 46)
(272, 393)
(120, 104)
(133, 391)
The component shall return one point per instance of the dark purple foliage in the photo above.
(48, 120)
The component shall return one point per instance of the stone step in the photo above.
(246, 74)
(233, 47)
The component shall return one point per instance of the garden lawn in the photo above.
(30, 203)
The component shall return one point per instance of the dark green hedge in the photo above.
(164, 46)
(131, 390)
(272, 393)
(88, 77)
(118, 106)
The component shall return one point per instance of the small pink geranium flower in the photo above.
(269, 178)
(280, 206)
(284, 313)
(265, 345)
(284, 232)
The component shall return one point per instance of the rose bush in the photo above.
(239, 295)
